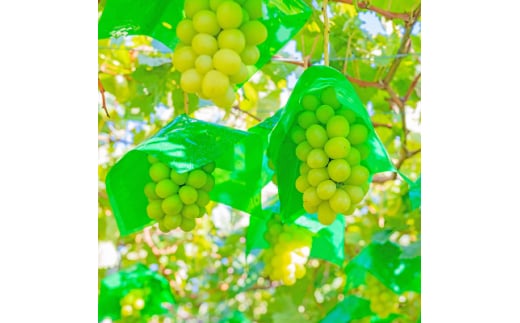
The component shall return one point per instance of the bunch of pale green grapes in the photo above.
(132, 303)
(175, 199)
(331, 143)
(383, 301)
(218, 40)
(290, 249)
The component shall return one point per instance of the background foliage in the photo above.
(377, 45)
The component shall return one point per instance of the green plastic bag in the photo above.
(327, 241)
(159, 18)
(152, 287)
(282, 149)
(397, 267)
(185, 144)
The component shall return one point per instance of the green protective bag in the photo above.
(397, 267)
(157, 295)
(159, 18)
(327, 241)
(282, 149)
(185, 144)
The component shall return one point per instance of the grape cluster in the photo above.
(290, 248)
(175, 199)
(331, 144)
(383, 301)
(132, 303)
(218, 41)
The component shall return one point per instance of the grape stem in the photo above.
(103, 100)
(247, 113)
(186, 102)
(325, 33)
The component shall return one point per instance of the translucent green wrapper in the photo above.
(158, 297)
(327, 241)
(185, 144)
(159, 18)
(397, 267)
(282, 149)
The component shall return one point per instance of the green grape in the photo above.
(190, 211)
(317, 175)
(202, 198)
(165, 188)
(245, 16)
(205, 21)
(304, 168)
(154, 210)
(204, 44)
(310, 102)
(202, 211)
(149, 191)
(191, 7)
(188, 194)
(172, 204)
(324, 113)
(229, 15)
(364, 150)
(213, 4)
(337, 126)
(326, 189)
(329, 97)
(297, 134)
(127, 310)
(171, 221)
(227, 61)
(289, 280)
(310, 197)
(302, 151)
(337, 147)
(306, 118)
(233, 39)
(317, 158)
(190, 81)
(255, 32)
(302, 184)
(203, 64)
(162, 227)
(338, 170)
(210, 182)
(197, 178)
(179, 179)
(209, 167)
(348, 114)
(339, 201)
(184, 58)
(159, 171)
(185, 31)
(187, 224)
(254, 8)
(299, 271)
(358, 175)
(250, 55)
(316, 136)
(138, 304)
(152, 159)
(311, 209)
(241, 76)
(325, 213)
(355, 193)
(358, 134)
(214, 84)
(225, 101)
(353, 157)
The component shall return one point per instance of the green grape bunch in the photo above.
(290, 247)
(332, 147)
(383, 301)
(176, 200)
(218, 42)
(132, 303)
